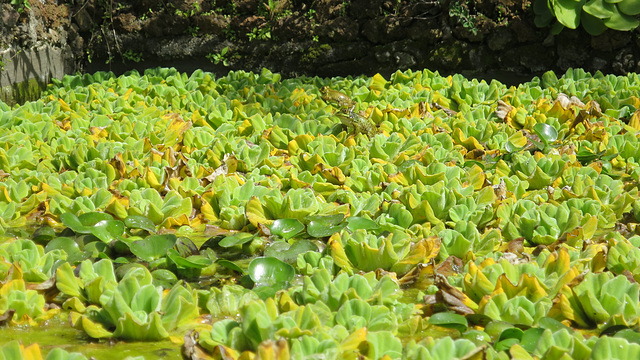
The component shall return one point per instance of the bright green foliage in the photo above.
(133, 307)
(463, 219)
(594, 15)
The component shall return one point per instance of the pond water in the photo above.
(57, 333)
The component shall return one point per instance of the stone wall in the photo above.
(483, 38)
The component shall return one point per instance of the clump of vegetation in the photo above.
(449, 218)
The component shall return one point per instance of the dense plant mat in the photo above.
(417, 217)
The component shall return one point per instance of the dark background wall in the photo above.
(481, 38)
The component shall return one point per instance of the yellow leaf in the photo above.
(528, 286)
(32, 352)
(152, 180)
(354, 340)
(64, 106)
(95, 330)
(333, 174)
(175, 129)
(518, 352)
(338, 254)
(518, 139)
(421, 252)
(256, 213)
(171, 222)
(477, 177)
(378, 83)
(207, 210)
(634, 122)
(470, 143)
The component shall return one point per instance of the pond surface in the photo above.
(58, 333)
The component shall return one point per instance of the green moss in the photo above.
(313, 53)
(449, 55)
(22, 92)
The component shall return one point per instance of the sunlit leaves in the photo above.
(477, 210)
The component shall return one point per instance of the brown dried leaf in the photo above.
(451, 266)
(48, 288)
(446, 110)
(564, 100)
(453, 298)
(503, 110)
(191, 350)
(629, 276)
(516, 246)
(420, 276)
(500, 190)
(5, 318)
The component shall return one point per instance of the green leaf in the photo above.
(63, 243)
(630, 335)
(289, 253)
(383, 343)
(319, 229)
(43, 234)
(592, 24)
(164, 278)
(270, 271)
(236, 239)
(140, 222)
(192, 262)
(92, 218)
(599, 8)
(357, 222)
(629, 7)
(546, 132)
(286, 228)
(568, 12)
(449, 320)
(230, 265)
(153, 247)
(511, 333)
(621, 22)
(72, 222)
(615, 349)
(108, 230)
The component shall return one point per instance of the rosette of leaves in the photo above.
(432, 203)
(464, 237)
(594, 15)
(322, 287)
(624, 255)
(492, 277)
(34, 263)
(440, 349)
(226, 302)
(544, 224)
(367, 252)
(518, 310)
(309, 328)
(92, 281)
(611, 198)
(561, 341)
(307, 262)
(477, 209)
(627, 146)
(230, 197)
(258, 324)
(537, 280)
(599, 300)
(357, 313)
(28, 306)
(538, 170)
(137, 310)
